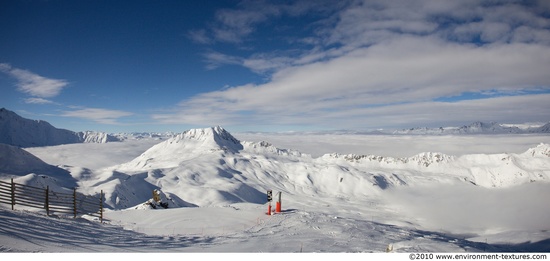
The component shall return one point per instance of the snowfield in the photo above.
(359, 201)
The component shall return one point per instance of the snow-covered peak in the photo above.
(422, 159)
(185, 146)
(490, 127)
(96, 137)
(266, 147)
(542, 129)
(215, 136)
(542, 150)
(428, 158)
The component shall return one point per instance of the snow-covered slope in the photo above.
(187, 145)
(542, 129)
(486, 170)
(27, 169)
(18, 131)
(214, 186)
(14, 160)
(210, 167)
(144, 135)
(96, 137)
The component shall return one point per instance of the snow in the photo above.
(398, 145)
(477, 128)
(21, 132)
(18, 161)
(215, 186)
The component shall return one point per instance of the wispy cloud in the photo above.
(199, 36)
(233, 25)
(236, 25)
(259, 63)
(372, 21)
(411, 71)
(38, 101)
(103, 116)
(215, 59)
(34, 84)
(379, 61)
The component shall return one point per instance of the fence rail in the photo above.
(52, 201)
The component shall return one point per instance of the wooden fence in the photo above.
(67, 203)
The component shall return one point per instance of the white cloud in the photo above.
(503, 209)
(380, 60)
(371, 21)
(531, 35)
(104, 116)
(38, 101)
(216, 59)
(199, 36)
(410, 70)
(508, 109)
(236, 25)
(260, 63)
(500, 109)
(34, 84)
(267, 63)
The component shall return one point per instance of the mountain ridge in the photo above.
(204, 167)
(477, 127)
(18, 163)
(210, 167)
(21, 132)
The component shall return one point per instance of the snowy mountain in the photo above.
(475, 128)
(542, 129)
(30, 170)
(96, 137)
(18, 131)
(214, 188)
(144, 135)
(18, 161)
(204, 167)
(496, 170)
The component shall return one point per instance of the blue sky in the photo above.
(121, 66)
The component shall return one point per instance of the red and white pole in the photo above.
(269, 199)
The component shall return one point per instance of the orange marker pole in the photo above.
(269, 209)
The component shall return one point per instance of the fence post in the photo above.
(47, 203)
(74, 202)
(12, 194)
(101, 206)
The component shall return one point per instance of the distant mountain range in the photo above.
(21, 132)
(201, 167)
(476, 128)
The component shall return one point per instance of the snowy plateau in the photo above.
(214, 186)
